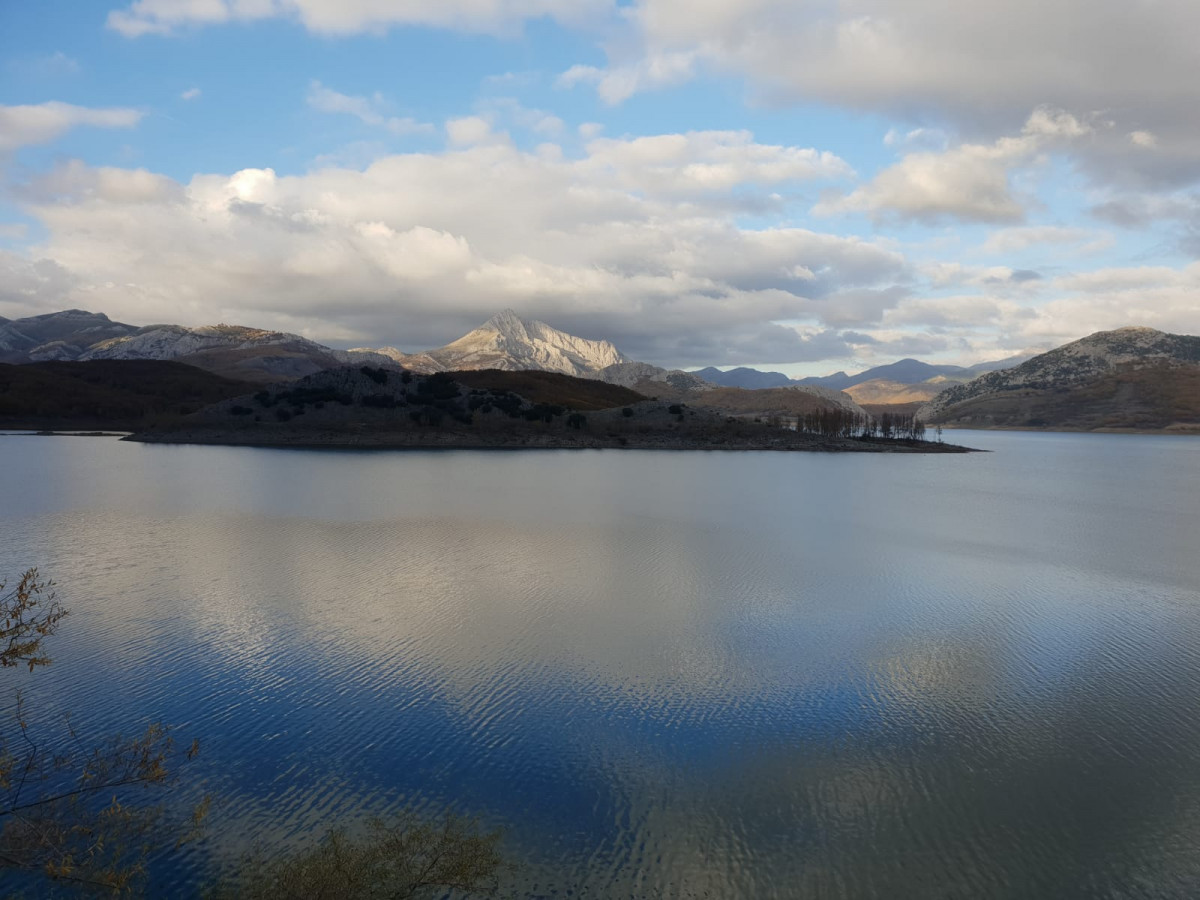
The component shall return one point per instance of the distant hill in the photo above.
(233, 351)
(1130, 378)
(884, 392)
(56, 336)
(742, 377)
(903, 372)
(787, 402)
(118, 394)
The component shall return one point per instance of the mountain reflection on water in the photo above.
(664, 674)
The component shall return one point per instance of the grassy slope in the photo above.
(1142, 397)
(763, 401)
(109, 393)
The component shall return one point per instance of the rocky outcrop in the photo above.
(644, 377)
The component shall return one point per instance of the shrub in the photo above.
(380, 401)
(379, 376)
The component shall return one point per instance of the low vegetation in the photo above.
(120, 394)
(582, 394)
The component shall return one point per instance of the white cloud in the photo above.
(470, 130)
(970, 182)
(918, 138)
(22, 126)
(974, 69)
(190, 94)
(578, 74)
(419, 247)
(340, 17)
(369, 110)
(1157, 296)
(538, 121)
(707, 162)
(933, 54)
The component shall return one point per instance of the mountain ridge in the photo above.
(1128, 378)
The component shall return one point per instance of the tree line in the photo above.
(847, 424)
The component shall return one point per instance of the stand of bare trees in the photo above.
(847, 424)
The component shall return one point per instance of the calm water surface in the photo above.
(664, 674)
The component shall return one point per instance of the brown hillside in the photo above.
(550, 387)
(123, 394)
(761, 402)
(1131, 396)
(879, 390)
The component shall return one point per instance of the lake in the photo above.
(663, 674)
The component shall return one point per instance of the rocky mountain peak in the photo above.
(506, 341)
(509, 324)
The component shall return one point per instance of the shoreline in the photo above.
(1185, 431)
(450, 440)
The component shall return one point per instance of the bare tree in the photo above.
(68, 811)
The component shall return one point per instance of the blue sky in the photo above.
(796, 184)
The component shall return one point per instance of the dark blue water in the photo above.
(664, 674)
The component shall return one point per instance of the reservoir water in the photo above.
(726, 675)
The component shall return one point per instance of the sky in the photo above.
(801, 185)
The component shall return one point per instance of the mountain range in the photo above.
(905, 381)
(1129, 378)
(505, 342)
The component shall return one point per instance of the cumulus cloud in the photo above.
(22, 126)
(968, 182)
(190, 94)
(340, 17)
(1047, 312)
(932, 54)
(1080, 303)
(419, 247)
(368, 110)
(974, 69)
(707, 162)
